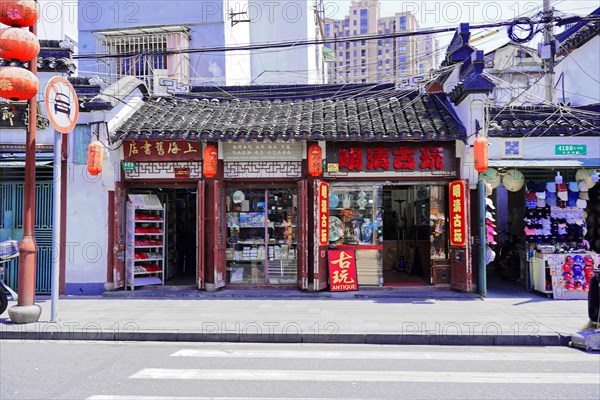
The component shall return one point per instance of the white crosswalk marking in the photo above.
(377, 355)
(111, 397)
(368, 376)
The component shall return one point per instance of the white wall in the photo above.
(278, 22)
(57, 19)
(237, 63)
(87, 206)
(579, 70)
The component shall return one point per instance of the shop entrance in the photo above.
(414, 233)
(180, 233)
(262, 236)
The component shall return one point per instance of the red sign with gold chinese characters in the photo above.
(162, 150)
(458, 217)
(323, 213)
(342, 270)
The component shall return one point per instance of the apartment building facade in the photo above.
(385, 60)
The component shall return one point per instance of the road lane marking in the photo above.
(380, 355)
(368, 376)
(119, 397)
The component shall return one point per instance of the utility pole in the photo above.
(547, 53)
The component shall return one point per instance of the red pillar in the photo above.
(25, 312)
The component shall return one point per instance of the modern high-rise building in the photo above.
(377, 60)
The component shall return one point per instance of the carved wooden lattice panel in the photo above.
(163, 170)
(263, 169)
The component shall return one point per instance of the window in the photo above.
(402, 48)
(380, 63)
(363, 63)
(347, 33)
(148, 66)
(387, 61)
(355, 53)
(403, 23)
(354, 22)
(353, 12)
(379, 52)
(341, 54)
(347, 55)
(363, 42)
(380, 43)
(355, 32)
(346, 23)
(379, 32)
(387, 51)
(327, 30)
(341, 64)
(363, 71)
(363, 53)
(363, 80)
(356, 63)
(402, 59)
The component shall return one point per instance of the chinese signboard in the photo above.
(262, 151)
(16, 116)
(162, 150)
(342, 270)
(570, 150)
(323, 213)
(458, 218)
(428, 157)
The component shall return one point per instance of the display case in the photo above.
(355, 221)
(145, 240)
(261, 237)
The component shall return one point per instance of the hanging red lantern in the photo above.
(18, 12)
(18, 44)
(95, 158)
(211, 161)
(315, 160)
(481, 154)
(17, 83)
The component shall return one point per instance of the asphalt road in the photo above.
(176, 371)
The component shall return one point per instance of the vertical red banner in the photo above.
(323, 213)
(458, 219)
(342, 270)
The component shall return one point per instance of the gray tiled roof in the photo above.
(545, 121)
(385, 118)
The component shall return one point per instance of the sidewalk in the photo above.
(388, 317)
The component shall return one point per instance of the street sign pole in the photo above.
(62, 108)
(56, 203)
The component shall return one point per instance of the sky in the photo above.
(442, 13)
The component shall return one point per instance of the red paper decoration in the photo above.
(18, 44)
(211, 161)
(315, 160)
(95, 158)
(17, 83)
(481, 154)
(22, 13)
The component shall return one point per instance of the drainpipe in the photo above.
(481, 266)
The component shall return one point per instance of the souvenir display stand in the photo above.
(145, 239)
(563, 276)
(555, 228)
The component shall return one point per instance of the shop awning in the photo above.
(21, 163)
(383, 116)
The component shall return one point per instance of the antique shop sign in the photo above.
(458, 220)
(342, 270)
(162, 150)
(323, 213)
(409, 157)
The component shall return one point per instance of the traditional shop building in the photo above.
(280, 187)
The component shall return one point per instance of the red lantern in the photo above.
(315, 160)
(481, 154)
(211, 161)
(95, 158)
(18, 44)
(17, 83)
(18, 12)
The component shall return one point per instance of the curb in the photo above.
(349, 338)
